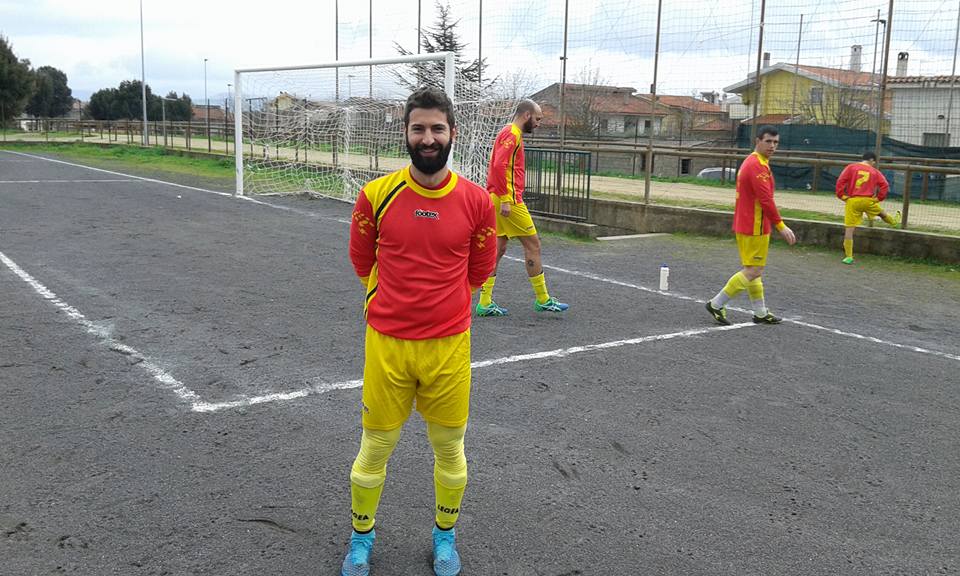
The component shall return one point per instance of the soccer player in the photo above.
(754, 214)
(421, 241)
(863, 188)
(505, 182)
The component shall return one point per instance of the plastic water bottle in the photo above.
(664, 277)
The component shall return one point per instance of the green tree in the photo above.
(52, 97)
(442, 37)
(121, 103)
(16, 82)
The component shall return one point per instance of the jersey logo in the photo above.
(763, 176)
(426, 214)
(363, 223)
(483, 235)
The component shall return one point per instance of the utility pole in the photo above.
(563, 74)
(143, 82)
(888, 31)
(648, 161)
(953, 77)
(757, 83)
(796, 69)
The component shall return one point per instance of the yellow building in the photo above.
(792, 94)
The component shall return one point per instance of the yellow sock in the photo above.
(848, 247)
(889, 219)
(755, 292)
(449, 472)
(486, 291)
(368, 474)
(539, 284)
(736, 284)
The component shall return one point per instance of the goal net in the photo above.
(327, 129)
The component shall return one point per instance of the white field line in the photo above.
(183, 186)
(66, 181)
(159, 374)
(203, 406)
(790, 320)
(558, 353)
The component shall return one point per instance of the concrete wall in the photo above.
(612, 218)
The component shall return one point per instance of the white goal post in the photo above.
(329, 128)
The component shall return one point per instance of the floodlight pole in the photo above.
(953, 77)
(563, 76)
(887, 32)
(757, 83)
(648, 160)
(143, 81)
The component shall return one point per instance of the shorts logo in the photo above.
(426, 214)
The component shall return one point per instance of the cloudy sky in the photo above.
(706, 44)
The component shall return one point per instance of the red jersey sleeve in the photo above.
(883, 186)
(843, 182)
(363, 236)
(763, 192)
(483, 248)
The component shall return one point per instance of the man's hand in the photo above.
(788, 235)
(504, 209)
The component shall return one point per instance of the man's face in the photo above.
(533, 121)
(767, 145)
(429, 139)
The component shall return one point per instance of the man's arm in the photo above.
(363, 237)
(483, 246)
(843, 183)
(883, 187)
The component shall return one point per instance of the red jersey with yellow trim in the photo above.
(506, 174)
(423, 250)
(755, 213)
(862, 179)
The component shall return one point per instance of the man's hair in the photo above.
(869, 156)
(429, 98)
(766, 129)
(525, 105)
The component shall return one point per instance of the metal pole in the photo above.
(563, 75)
(648, 160)
(876, 83)
(143, 80)
(953, 77)
(756, 86)
(238, 134)
(887, 32)
(370, 34)
(163, 119)
(336, 54)
(796, 69)
(480, 51)
(209, 143)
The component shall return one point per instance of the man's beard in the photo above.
(528, 126)
(429, 165)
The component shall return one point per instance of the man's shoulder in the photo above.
(470, 187)
(386, 183)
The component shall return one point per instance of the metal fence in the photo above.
(558, 183)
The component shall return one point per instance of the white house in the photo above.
(923, 111)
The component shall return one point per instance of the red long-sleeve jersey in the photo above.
(505, 176)
(755, 211)
(422, 251)
(862, 179)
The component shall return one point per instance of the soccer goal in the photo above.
(327, 129)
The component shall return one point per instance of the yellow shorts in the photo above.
(518, 223)
(753, 249)
(857, 206)
(435, 372)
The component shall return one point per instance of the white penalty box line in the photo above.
(197, 404)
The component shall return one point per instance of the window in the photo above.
(646, 126)
(936, 139)
(684, 166)
(816, 95)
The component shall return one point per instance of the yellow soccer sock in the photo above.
(539, 284)
(848, 247)
(486, 291)
(736, 284)
(368, 474)
(889, 219)
(755, 291)
(449, 472)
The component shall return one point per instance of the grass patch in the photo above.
(670, 180)
(149, 159)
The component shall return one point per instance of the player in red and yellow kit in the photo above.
(862, 187)
(422, 239)
(754, 215)
(505, 182)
